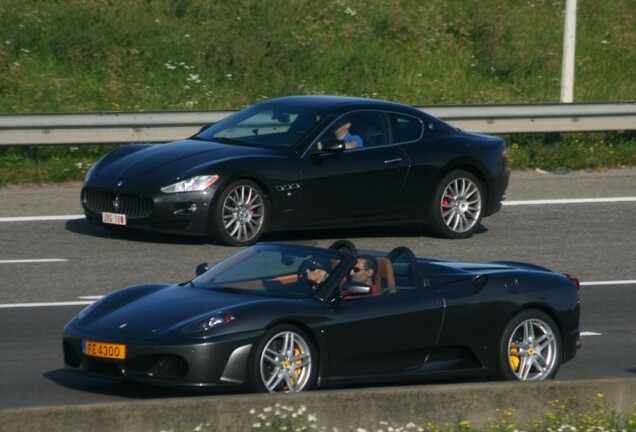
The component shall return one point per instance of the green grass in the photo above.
(95, 55)
(139, 55)
(572, 151)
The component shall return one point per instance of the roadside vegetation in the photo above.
(561, 416)
(135, 55)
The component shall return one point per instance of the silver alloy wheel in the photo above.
(243, 213)
(285, 363)
(461, 205)
(532, 350)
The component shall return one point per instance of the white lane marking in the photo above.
(86, 303)
(86, 300)
(33, 305)
(22, 261)
(40, 218)
(619, 282)
(506, 203)
(570, 201)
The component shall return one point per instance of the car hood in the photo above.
(168, 162)
(167, 310)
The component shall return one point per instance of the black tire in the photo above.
(240, 215)
(284, 361)
(530, 348)
(458, 204)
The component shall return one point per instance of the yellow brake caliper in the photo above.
(514, 358)
(298, 371)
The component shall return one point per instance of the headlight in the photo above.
(193, 184)
(209, 323)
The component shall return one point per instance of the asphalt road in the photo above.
(48, 265)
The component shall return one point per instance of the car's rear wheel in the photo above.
(457, 205)
(530, 348)
(284, 361)
(240, 214)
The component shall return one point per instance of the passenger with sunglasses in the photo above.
(365, 271)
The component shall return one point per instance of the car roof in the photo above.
(332, 103)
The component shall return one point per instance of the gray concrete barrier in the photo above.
(347, 410)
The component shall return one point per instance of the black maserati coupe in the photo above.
(303, 162)
(286, 318)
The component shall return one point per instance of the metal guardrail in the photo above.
(118, 127)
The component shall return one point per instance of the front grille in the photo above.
(167, 367)
(132, 206)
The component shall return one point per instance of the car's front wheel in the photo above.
(457, 205)
(530, 348)
(284, 361)
(240, 214)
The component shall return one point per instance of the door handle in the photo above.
(393, 161)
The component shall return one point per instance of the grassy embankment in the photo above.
(134, 55)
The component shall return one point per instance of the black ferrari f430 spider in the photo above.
(287, 318)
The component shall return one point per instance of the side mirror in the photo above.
(356, 289)
(202, 268)
(334, 146)
(331, 146)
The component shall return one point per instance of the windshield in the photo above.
(265, 124)
(271, 270)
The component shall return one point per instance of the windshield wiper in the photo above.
(230, 290)
(226, 140)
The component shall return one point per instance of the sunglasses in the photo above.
(357, 269)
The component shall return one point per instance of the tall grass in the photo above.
(96, 55)
(142, 55)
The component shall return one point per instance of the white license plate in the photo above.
(114, 218)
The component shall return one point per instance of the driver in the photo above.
(313, 272)
(342, 133)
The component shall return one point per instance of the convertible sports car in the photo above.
(262, 321)
(279, 165)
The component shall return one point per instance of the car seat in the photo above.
(384, 277)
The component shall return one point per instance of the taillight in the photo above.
(575, 281)
(503, 152)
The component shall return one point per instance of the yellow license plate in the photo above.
(104, 350)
